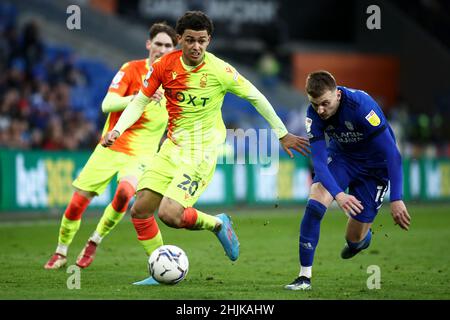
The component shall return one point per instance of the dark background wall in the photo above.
(424, 78)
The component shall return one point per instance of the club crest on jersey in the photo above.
(373, 118)
(147, 76)
(349, 125)
(203, 80)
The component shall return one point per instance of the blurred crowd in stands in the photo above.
(50, 100)
(36, 88)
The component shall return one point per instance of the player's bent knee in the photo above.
(356, 230)
(122, 197)
(138, 212)
(316, 208)
(87, 194)
(169, 217)
(320, 194)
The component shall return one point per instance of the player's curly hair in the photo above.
(318, 82)
(159, 27)
(194, 20)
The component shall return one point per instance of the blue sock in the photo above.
(310, 231)
(363, 244)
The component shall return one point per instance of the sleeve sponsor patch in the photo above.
(373, 119)
(235, 76)
(116, 80)
(308, 123)
(147, 76)
(233, 71)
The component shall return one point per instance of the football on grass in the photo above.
(168, 264)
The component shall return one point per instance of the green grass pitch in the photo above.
(413, 264)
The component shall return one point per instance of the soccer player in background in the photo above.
(195, 83)
(127, 158)
(362, 156)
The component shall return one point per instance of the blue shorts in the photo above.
(367, 184)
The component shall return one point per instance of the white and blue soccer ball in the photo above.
(168, 264)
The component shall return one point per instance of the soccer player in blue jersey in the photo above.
(361, 155)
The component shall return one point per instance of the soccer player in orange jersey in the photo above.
(195, 83)
(127, 159)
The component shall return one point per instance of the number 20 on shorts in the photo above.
(188, 185)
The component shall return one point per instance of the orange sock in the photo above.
(123, 196)
(194, 219)
(189, 218)
(148, 234)
(71, 221)
(76, 207)
(145, 228)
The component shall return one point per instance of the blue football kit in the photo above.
(361, 154)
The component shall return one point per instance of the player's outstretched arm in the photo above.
(349, 204)
(288, 141)
(109, 138)
(129, 116)
(385, 144)
(297, 143)
(132, 112)
(114, 102)
(400, 214)
(157, 96)
(240, 86)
